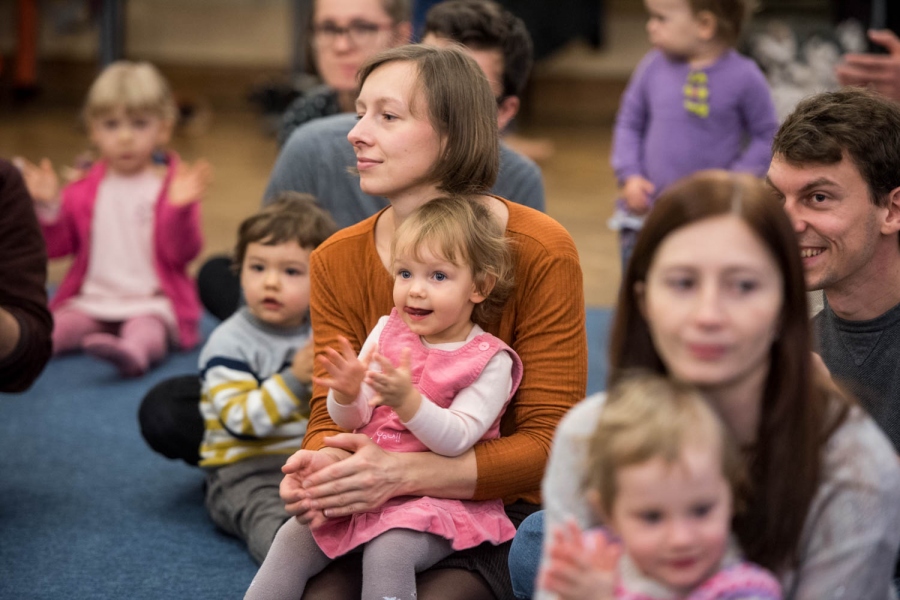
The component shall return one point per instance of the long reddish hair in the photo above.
(795, 420)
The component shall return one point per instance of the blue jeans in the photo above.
(525, 555)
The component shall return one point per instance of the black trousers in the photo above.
(169, 415)
(170, 419)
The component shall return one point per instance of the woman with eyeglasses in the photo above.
(343, 35)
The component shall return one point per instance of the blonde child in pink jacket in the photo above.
(131, 223)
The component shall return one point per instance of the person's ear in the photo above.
(402, 34)
(707, 24)
(891, 223)
(482, 289)
(507, 110)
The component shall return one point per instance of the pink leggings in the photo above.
(132, 345)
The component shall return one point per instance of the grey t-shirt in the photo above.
(864, 357)
(317, 157)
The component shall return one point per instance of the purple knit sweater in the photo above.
(657, 137)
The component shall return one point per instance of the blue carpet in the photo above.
(88, 511)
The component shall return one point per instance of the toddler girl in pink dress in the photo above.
(427, 379)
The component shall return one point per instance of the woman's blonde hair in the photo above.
(462, 110)
(138, 87)
(649, 416)
(464, 232)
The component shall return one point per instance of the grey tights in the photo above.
(390, 563)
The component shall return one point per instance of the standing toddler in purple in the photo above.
(693, 103)
(131, 223)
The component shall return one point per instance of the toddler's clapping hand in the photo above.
(346, 371)
(302, 363)
(189, 183)
(41, 180)
(580, 566)
(392, 385)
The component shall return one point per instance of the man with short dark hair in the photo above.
(495, 38)
(836, 168)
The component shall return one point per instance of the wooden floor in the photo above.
(579, 183)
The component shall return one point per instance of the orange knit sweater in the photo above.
(543, 322)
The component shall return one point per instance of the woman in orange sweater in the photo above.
(427, 127)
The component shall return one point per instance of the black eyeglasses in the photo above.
(359, 33)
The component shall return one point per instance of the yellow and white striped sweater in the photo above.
(251, 402)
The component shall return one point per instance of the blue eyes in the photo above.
(405, 274)
(386, 116)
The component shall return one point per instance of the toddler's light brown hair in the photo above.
(464, 232)
(648, 416)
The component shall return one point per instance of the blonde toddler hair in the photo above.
(138, 87)
(650, 416)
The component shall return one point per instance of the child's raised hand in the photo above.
(393, 386)
(41, 180)
(189, 182)
(637, 191)
(302, 363)
(345, 369)
(579, 567)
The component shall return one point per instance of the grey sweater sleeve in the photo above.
(849, 543)
(520, 180)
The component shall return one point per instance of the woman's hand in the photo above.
(394, 387)
(577, 569)
(189, 183)
(358, 483)
(346, 371)
(298, 467)
(41, 180)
